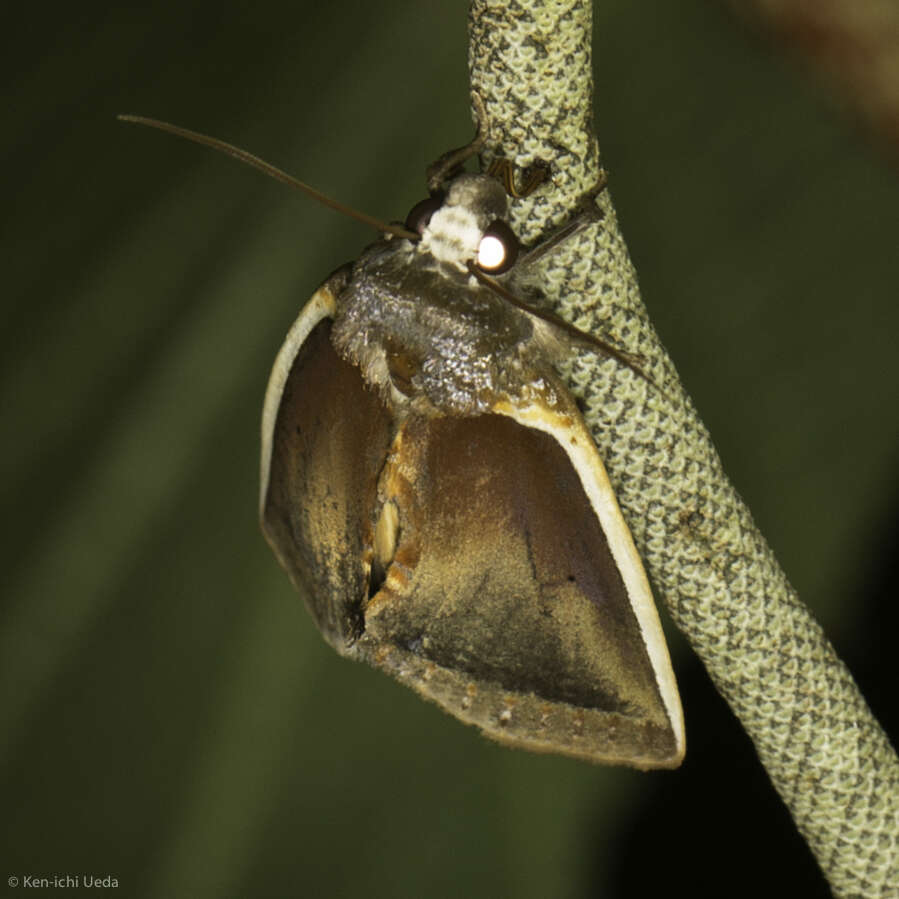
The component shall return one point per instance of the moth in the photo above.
(432, 490)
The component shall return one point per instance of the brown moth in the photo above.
(431, 488)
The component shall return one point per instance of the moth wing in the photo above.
(512, 592)
(325, 437)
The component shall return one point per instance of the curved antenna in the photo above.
(270, 170)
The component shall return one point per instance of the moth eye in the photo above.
(420, 214)
(498, 249)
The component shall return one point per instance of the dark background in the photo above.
(169, 715)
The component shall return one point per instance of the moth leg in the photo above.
(532, 176)
(451, 162)
(588, 213)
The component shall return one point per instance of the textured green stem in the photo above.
(827, 756)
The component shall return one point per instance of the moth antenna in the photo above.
(270, 170)
(627, 359)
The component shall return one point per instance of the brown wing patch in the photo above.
(330, 441)
(514, 595)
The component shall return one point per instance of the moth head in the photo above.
(466, 224)
(463, 226)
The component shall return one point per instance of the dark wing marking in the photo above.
(329, 441)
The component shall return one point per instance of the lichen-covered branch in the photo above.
(827, 756)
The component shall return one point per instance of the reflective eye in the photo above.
(498, 249)
(420, 214)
